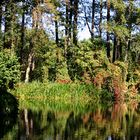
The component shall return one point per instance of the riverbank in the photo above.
(70, 94)
(67, 95)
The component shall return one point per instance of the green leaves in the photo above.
(9, 70)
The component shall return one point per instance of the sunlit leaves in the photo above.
(9, 70)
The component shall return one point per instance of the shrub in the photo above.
(9, 70)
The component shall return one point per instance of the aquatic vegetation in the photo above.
(62, 95)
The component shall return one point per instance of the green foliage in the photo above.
(58, 93)
(88, 58)
(9, 70)
(135, 49)
(93, 66)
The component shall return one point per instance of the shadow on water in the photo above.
(8, 112)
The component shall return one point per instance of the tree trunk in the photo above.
(75, 31)
(56, 33)
(93, 15)
(130, 13)
(100, 22)
(0, 16)
(120, 50)
(57, 40)
(8, 19)
(30, 66)
(67, 17)
(66, 28)
(114, 49)
(108, 35)
(22, 33)
(70, 18)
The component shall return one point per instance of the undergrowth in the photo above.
(70, 95)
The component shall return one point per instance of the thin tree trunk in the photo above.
(57, 40)
(22, 33)
(56, 32)
(86, 19)
(100, 22)
(66, 28)
(114, 49)
(0, 16)
(70, 18)
(118, 50)
(130, 13)
(75, 31)
(29, 67)
(31, 60)
(7, 43)
(67, 17)
(93, 15)
(108, 35)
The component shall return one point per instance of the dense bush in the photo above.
(91, 65)
(9, 70)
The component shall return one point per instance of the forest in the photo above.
(70, 69)
(40, 45)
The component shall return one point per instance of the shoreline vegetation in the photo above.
(46, 66)
(65, 95)
(104, 67)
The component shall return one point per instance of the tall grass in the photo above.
(57, 96)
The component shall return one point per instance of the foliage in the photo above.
(94, 67)
(66, 93)
(49, 50)
(9, 70)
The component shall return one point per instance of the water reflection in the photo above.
(8, 112)
(118, 122)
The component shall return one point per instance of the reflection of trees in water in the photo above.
(38, 124)
(8, 112)
(117, 122)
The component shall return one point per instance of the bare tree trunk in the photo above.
(66, 28)
(30, 66)
(67, 17)
(93, 15)
(75, 31)
(100, 22)
(22, 32)
(114, 49)
(86, 19)
(8, 19)
(70, 18)
(56, 32)
(108, 35)
(130, 13)
(31, 60)
(0, 16)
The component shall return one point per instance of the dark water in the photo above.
(119, 121)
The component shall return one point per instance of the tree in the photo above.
(75, 30)
(93, 16)
(0, 16)
(119, 30)
(9, 70)
(108, 34)
(100, 22)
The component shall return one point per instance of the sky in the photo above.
(84, 34)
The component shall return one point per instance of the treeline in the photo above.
(42, 37)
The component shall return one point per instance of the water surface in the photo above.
(118, 121)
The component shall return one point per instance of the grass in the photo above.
(57, 95)
(52, 90)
